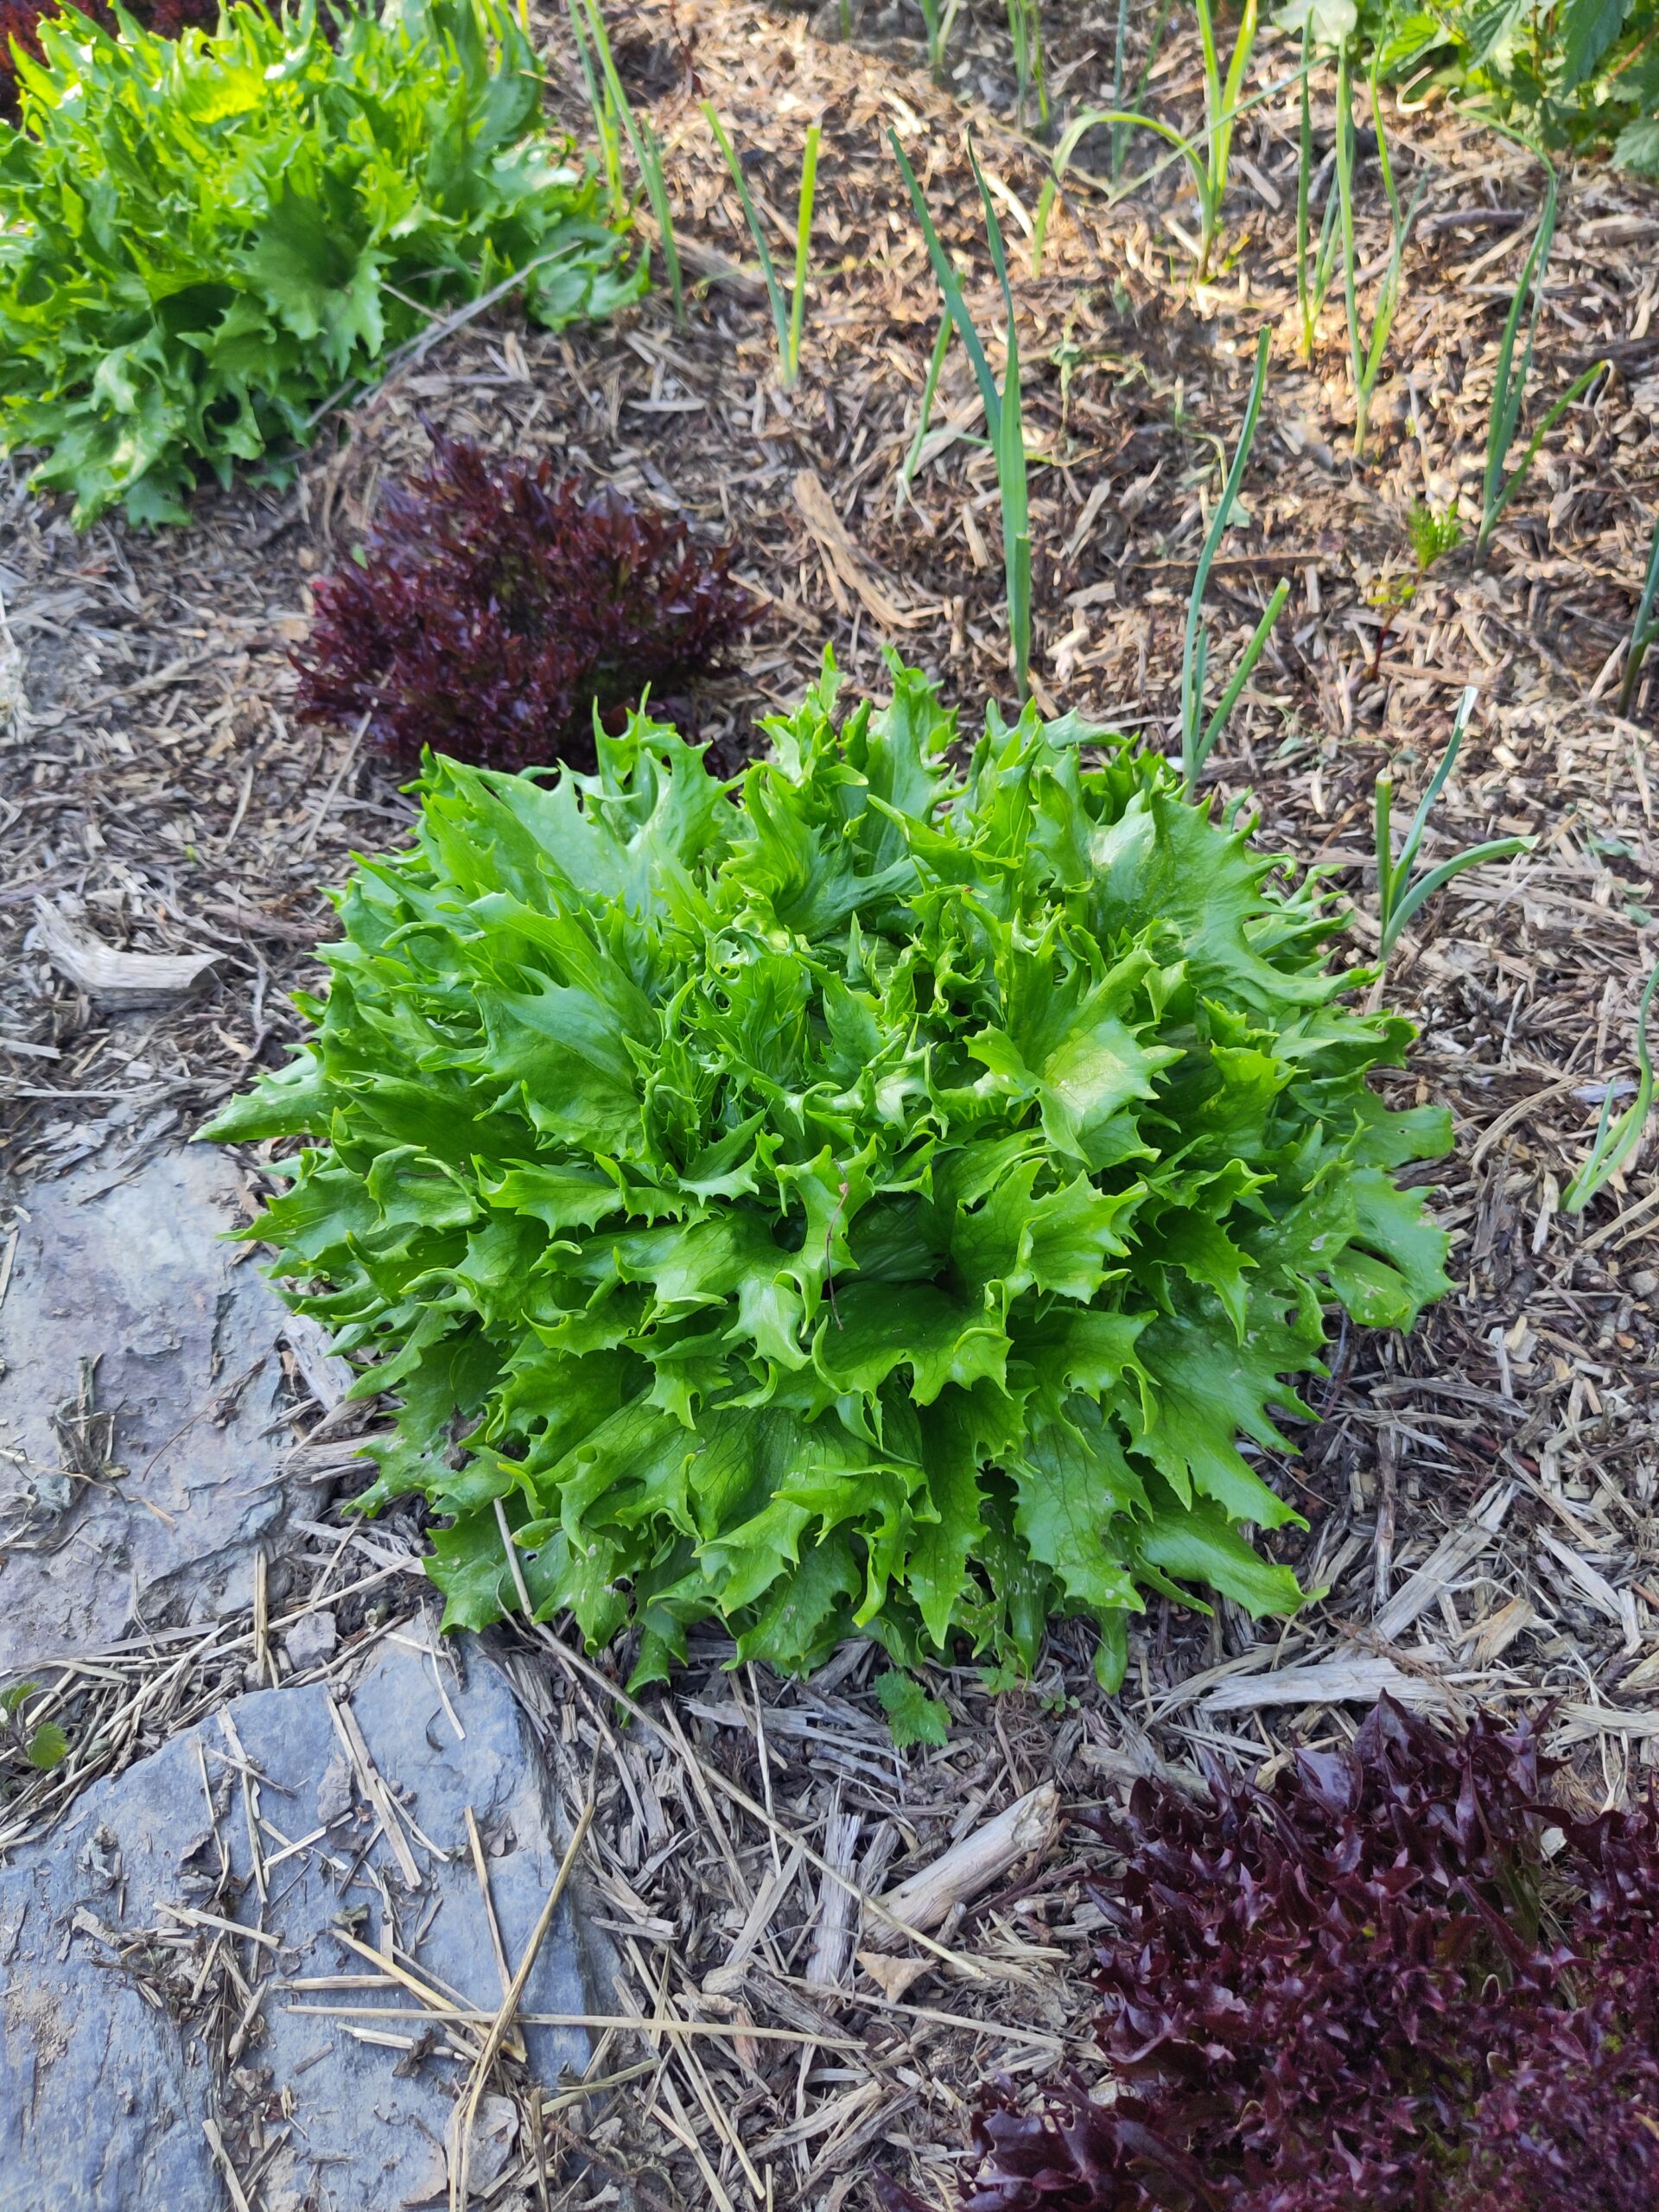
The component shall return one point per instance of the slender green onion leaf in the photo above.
(1308, 313)
(603, 113)
(1643, 630)
(1220, 126)
(1240, 675)
(1382, 829)
(1189, 150)
(1436, 879)
(1509, 385)
(1439, 780)
(949, 284)
(1616, 1142)
(752, 216)
(1398, 898)
(993, 231)
(1004, 412)
(1009, 444)
(929, 393)
(1366, 353)
(1574, 392)
(1195, 651)
(647, 153)
(1016, 524)
(802, 247)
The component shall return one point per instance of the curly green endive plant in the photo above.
(866, 1196)
(207, 240)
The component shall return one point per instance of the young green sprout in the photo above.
(42, 1744)
(1367, 352)
(1644, 630)
(1004, 411)
(1431, 536)
(940, 22)
(1615, 1142)
(786, 316)
(1398, 895)
(924, 421)
(1314, 270)
(1199, 734)
(1207, 155)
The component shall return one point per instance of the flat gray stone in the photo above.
(184, 1395)
(104, 2088)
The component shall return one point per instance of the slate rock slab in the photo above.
(184, 1395)
(115, 2048)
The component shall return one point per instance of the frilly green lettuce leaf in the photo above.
(863, 1198)
(203, 238)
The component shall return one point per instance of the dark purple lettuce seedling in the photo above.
(493, 605)
(1399, 1981)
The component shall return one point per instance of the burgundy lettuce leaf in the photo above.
(493, 605)
(1399, 1980)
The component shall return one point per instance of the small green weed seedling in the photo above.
(1644, 630)
(1398, 896)
(1431, 535)
(1004, 411)
(1198, 735)
(786, 316)
(1616, 1141)
(42, 1744)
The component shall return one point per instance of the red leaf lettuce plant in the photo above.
(1396, 1982)
(494, 608)
(874, 1196)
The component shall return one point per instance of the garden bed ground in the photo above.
(1480, 1498)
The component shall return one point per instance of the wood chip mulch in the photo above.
(1480, 1496)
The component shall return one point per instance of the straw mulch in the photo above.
(1479, 1498)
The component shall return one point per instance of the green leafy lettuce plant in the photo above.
(869, 1197)
(203, 239)
(1568, 74)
